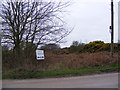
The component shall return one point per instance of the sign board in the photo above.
(40, 55)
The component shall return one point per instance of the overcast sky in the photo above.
(91, 20)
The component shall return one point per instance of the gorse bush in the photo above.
(93, 46)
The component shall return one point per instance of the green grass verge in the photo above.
(25, 74)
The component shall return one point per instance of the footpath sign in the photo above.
(40, 55)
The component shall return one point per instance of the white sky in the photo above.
(91, 20)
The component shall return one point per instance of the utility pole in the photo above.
(112, 27)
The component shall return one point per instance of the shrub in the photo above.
(77, 49)
(93, 46)
(105, 47)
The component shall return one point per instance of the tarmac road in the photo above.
(91, 81)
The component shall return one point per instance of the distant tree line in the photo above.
(78, 47)
(94, 46)
(51, 46)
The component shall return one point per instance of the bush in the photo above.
(77, 49)
(105, 47)
(93, 46)
(96, 46)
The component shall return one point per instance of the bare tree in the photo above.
(32, 22)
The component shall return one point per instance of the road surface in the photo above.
(90, 81)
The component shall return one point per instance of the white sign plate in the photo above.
(40, 54)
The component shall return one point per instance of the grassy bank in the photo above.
(27, 74)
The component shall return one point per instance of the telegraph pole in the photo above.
(112, 27)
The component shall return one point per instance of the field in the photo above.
(62, 64)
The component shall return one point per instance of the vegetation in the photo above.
(78, 59)
(25, 74)
(56, 64)
(95, 46)
(26, 25)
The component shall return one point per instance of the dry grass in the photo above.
(71, 61)
(68, 61)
